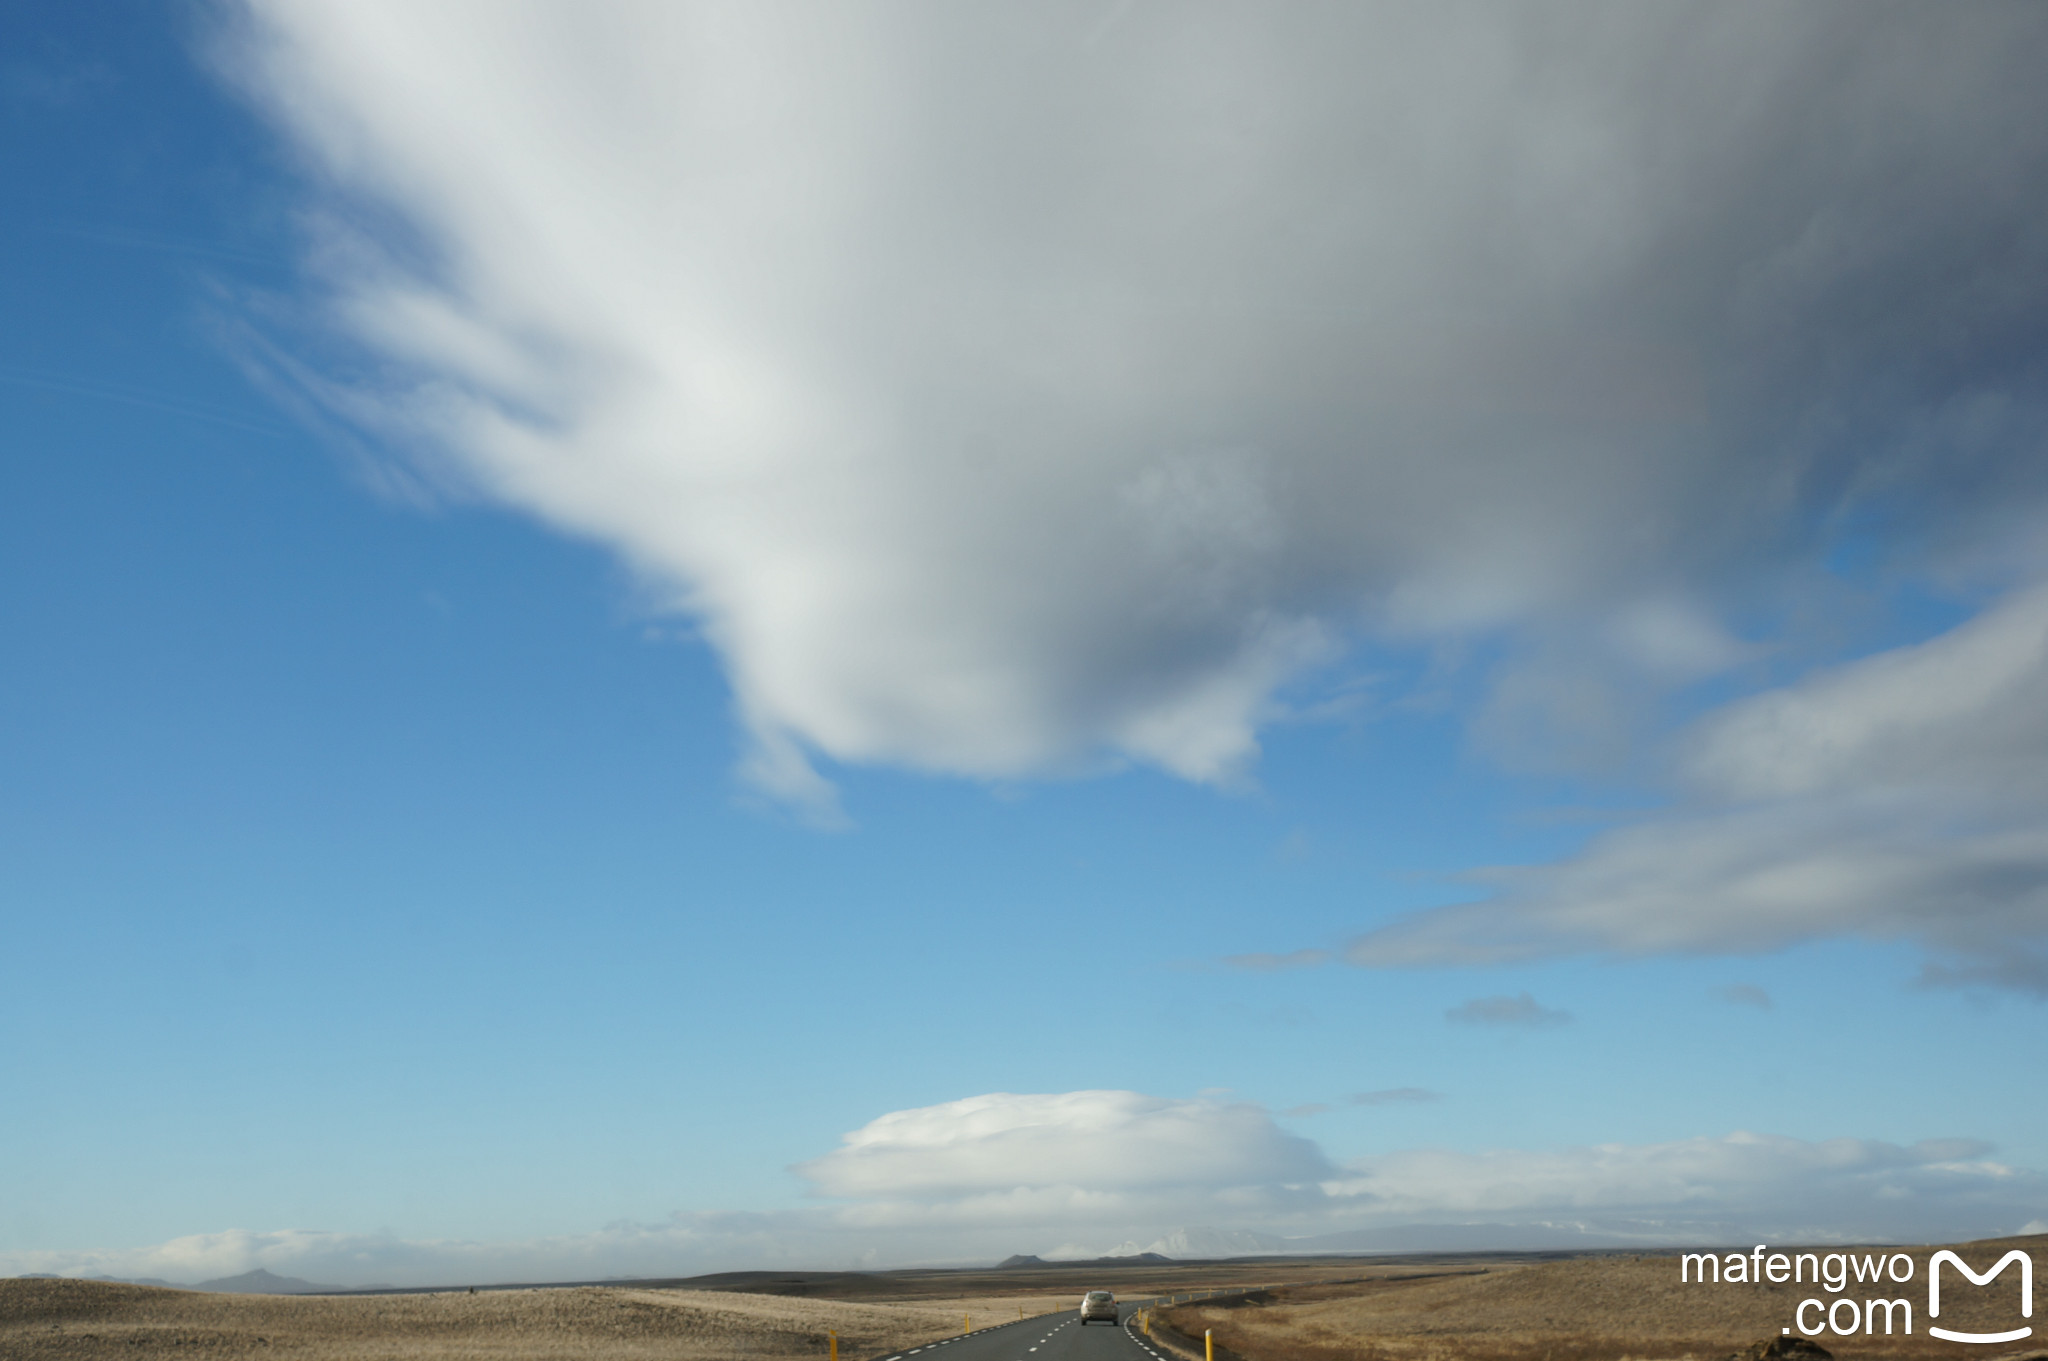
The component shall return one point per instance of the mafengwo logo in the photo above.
(1835, 1272)
(2026, 1265)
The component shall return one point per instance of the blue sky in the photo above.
(666, 640)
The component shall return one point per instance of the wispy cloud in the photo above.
(1904, 795)
(1390, 1095)
(1521, 1009)
(1744, 995)
(1267, 963)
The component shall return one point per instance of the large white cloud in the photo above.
(1081, 1172)
(1902, 796)
(1014, 388)
(1093, 1141)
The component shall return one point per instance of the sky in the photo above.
(664, 637)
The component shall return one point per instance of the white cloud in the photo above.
(1003, 401)
(1078, 1173)
(1903, 796)
(1966, 713)
(1786, 1189)
(1100, 1142)
(1006, 392)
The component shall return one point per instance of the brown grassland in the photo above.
(1604, 1307)
(86, 1320)
(1596, 1308)
(768, 1315)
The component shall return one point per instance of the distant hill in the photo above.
(1182, 1244)
(1017, 1259)
(1068, 1263)
(820, 1284)
(260, 1282)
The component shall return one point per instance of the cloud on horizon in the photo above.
(1033, 390)
(1714, 1188)
(1056, 1173)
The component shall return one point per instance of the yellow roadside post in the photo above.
(966, 1323)
(835, 1343)
(1208, 1345)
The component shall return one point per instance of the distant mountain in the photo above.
(1020, 1259)
(1184, 1243)
(260, 1282)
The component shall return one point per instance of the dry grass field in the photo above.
(1499, 1308)
(757, 1315)
(87, 1320)
(1060, 1282)
(1603, 1308)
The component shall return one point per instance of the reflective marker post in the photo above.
(1208, 1345)
(835, 1343)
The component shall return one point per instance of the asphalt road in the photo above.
(1050, 1337)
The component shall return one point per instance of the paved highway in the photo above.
(1049, 1337)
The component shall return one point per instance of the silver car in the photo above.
(1098, 1304)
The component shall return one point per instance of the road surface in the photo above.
(1049, 1337)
